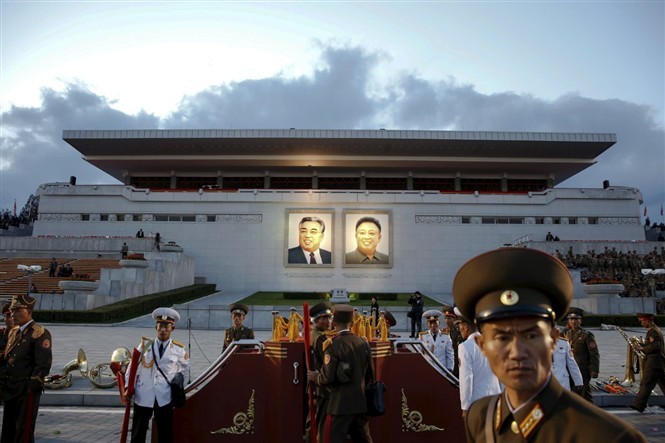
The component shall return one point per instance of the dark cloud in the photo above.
(340, 93)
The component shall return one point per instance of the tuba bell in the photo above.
(102, 375)
(64, 378)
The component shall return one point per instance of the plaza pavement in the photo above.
(83, 413)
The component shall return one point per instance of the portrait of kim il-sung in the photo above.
(309, 237)
(367, 238)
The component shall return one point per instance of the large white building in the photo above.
(233, 199)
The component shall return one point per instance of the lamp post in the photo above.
(30, 270)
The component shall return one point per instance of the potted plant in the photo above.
(79, 283)
(134, 260)
(171, 247)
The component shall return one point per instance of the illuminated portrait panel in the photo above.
(309, 238)
(367, 238)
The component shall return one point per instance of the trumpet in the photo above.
(101, 375)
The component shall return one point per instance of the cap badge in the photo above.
(509, 297)
(165, 317)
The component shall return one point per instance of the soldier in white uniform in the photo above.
(476, 379)
(564, 366)
(152, 390)
(436, 341)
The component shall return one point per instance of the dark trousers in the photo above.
(416, 323)
(19, 419)
(586, 388)
(339, 426)
(651, 378)
(163, 420)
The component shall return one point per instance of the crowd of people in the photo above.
(625, 268)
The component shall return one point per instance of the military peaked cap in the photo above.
(513, 282)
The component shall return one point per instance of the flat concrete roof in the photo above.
(301, 151)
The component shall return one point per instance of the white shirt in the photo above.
(317, 256)
(476, 379)
(150, 384)
(564, 363)
(442, 347)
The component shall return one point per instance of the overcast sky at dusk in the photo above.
(482, 66)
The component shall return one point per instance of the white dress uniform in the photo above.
(563, 363)
(476, 379)
(441, 347)
(150, 384)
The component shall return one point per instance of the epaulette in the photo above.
(421, 333)
(177, 343)
(564, 338)
(146, 343)
(37, 330)
(327, 343)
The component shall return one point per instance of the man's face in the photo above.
(450, 322)
(519, 351)
(464, 330)
(574, 323)
(368, 237)
(164, 330)
(323, 323)
(310, 235)
(20, 316)
(237, 319)
(645, 322)
(8, 319)
(433, 325)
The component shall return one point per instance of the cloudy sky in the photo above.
(482, 66)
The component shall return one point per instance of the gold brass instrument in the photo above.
(102, 375)
(64, 378)
(634, 358)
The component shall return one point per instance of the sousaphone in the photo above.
(64, 378)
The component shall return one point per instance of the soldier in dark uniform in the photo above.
(585, 350)
(455, 335)
(237, 331)
(28, 360)
(321, 315)
(654, 363)
(4, 338)
(515, 295)
(4, 332)
(347, 367)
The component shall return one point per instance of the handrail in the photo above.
(428, 356)
(225, 355)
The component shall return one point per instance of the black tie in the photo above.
(312, 260)
(434, 335)
(161, 350)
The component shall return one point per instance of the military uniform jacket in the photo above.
(585, 350)
(234, 334)
(27, 355)
(553, 415)
(441, 347)
(347, 367)
(476, 379)
(564, 365)
(653, 349)
(150, 383)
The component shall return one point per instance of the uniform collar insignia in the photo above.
(529, 424)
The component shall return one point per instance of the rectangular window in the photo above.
(104, 217)
(85, 217)
(593, 220)
(188, 218)
(136, 217)
(211, 218)
(161, 217)
(120, 217)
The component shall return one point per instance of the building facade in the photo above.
(234, 200)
